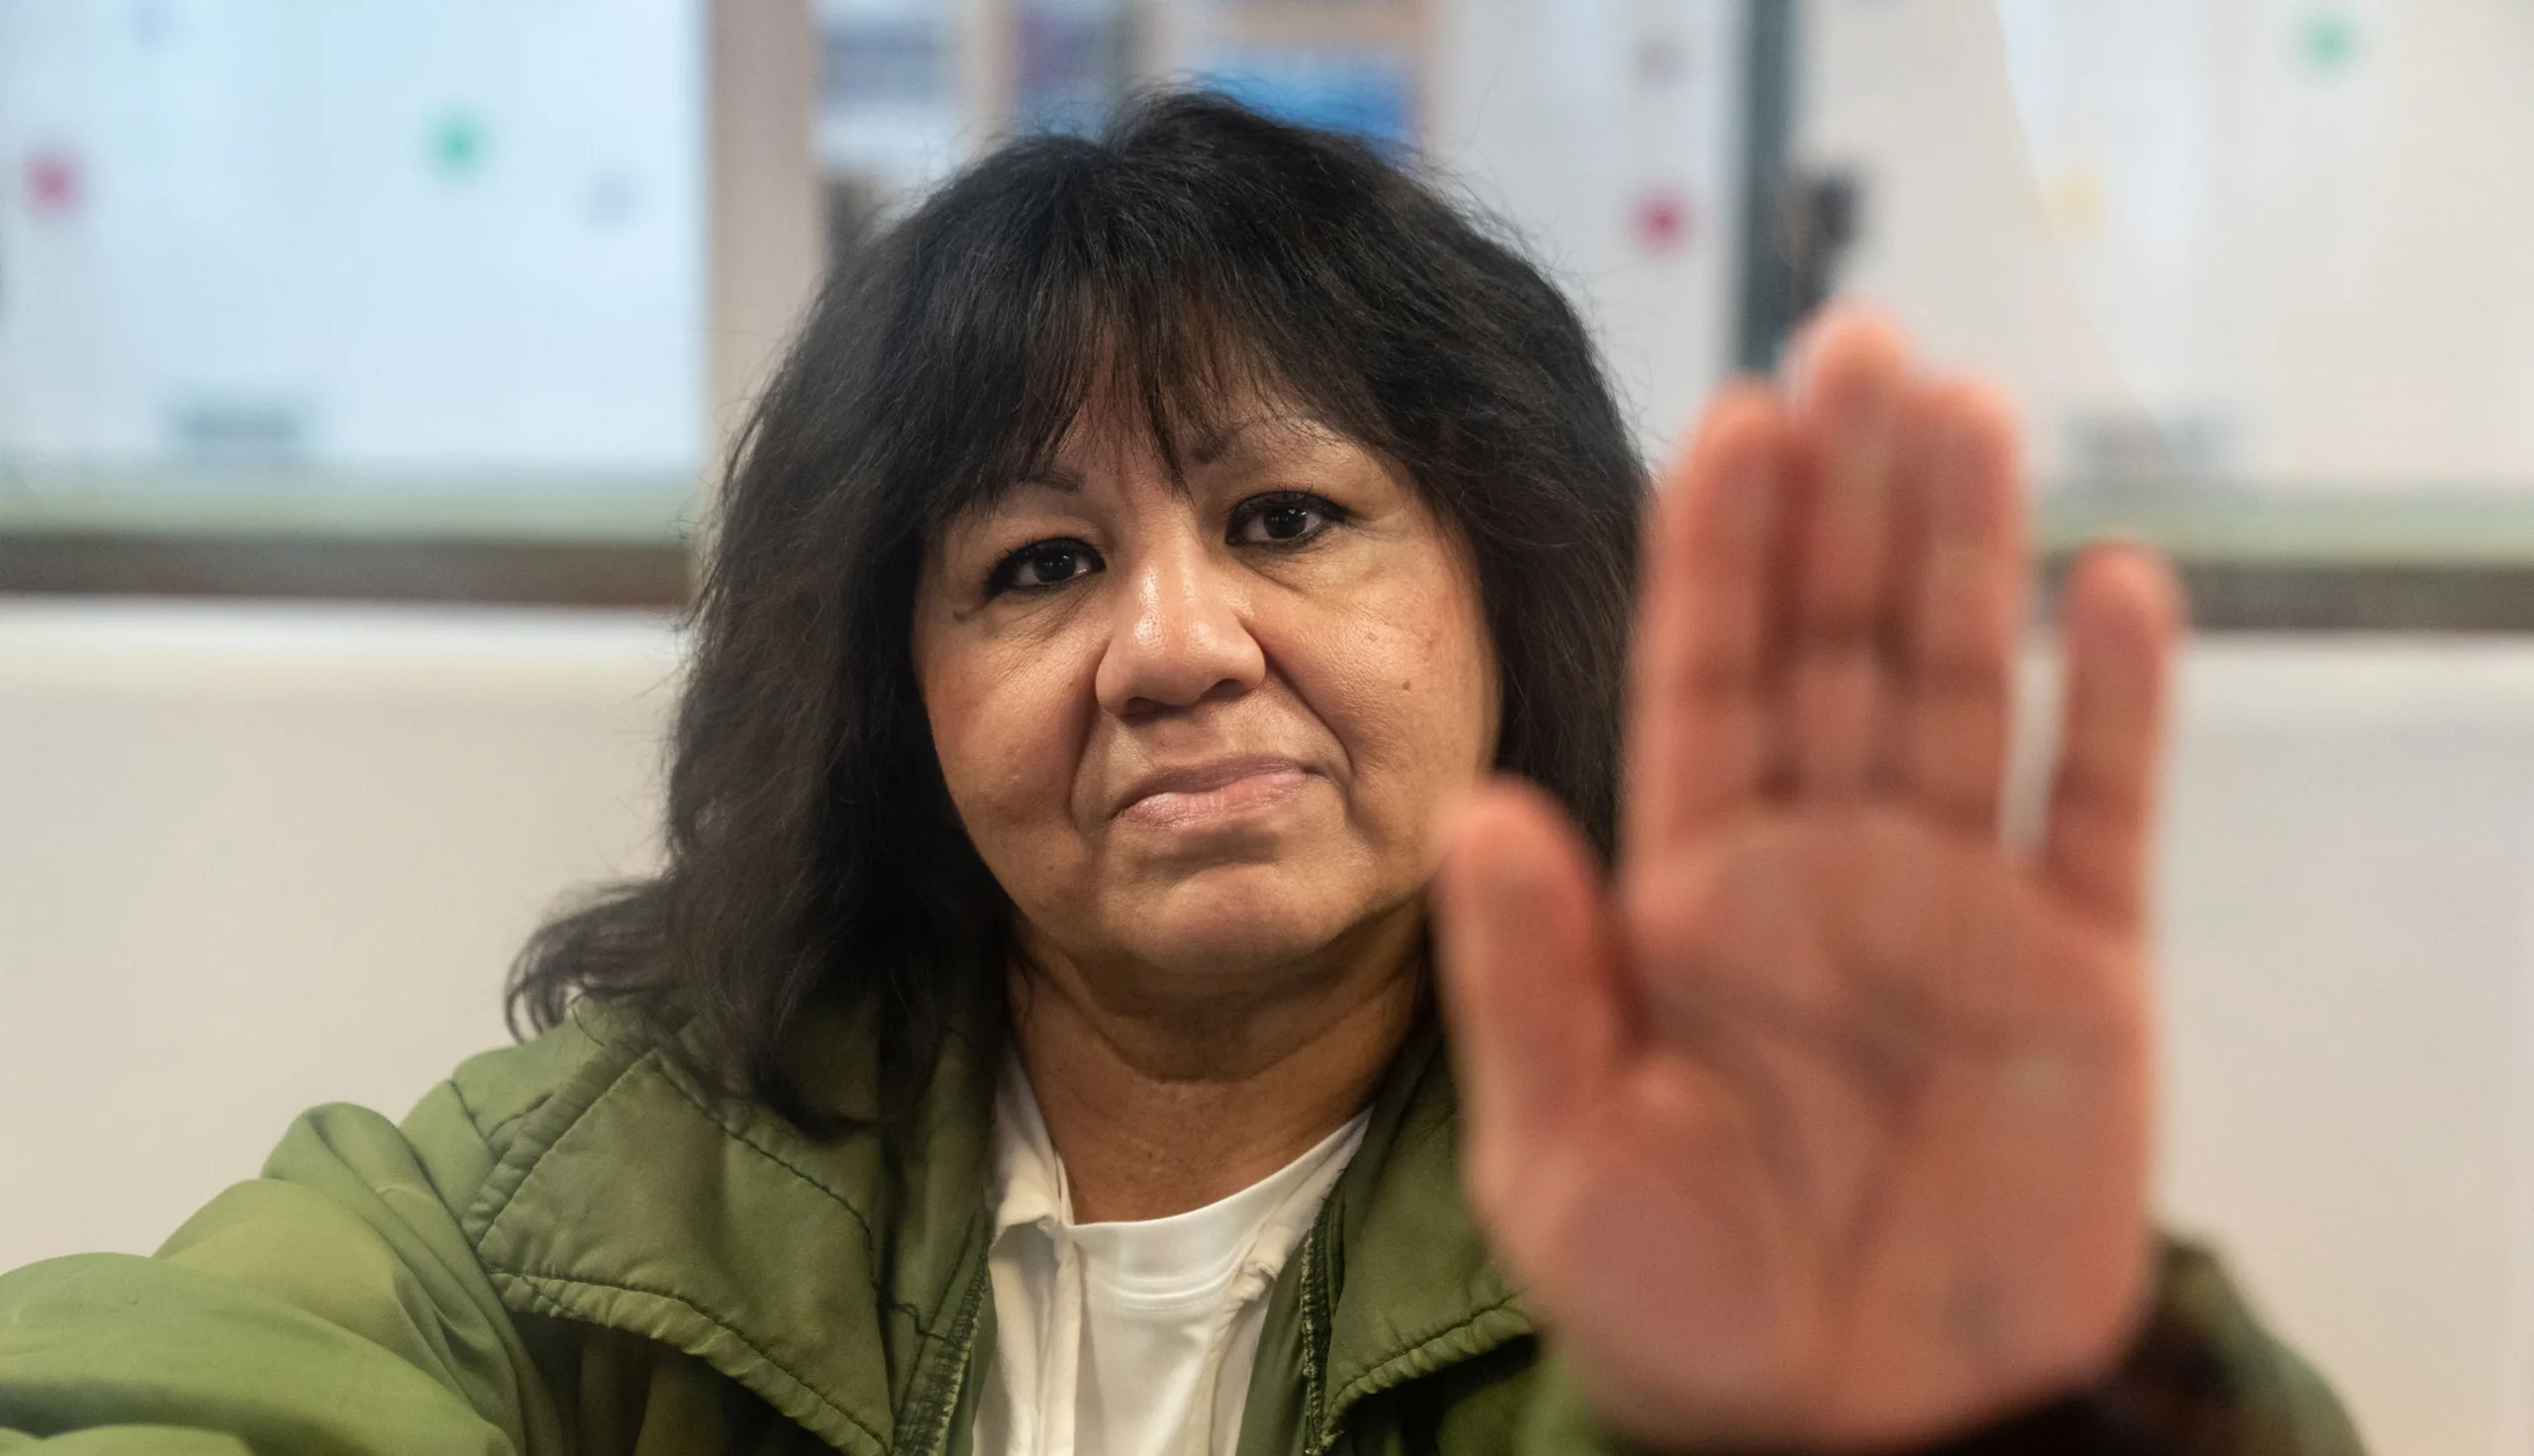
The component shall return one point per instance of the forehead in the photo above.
(1229, 431)
(1112, 437)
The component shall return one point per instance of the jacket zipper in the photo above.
(930, 1417)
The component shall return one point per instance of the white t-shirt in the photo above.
(1131, 1339)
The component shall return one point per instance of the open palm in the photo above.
(1822, 1120)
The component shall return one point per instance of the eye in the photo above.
(1284, 519)
(1042, 564)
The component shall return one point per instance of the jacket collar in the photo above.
(845, 1282)
(841, 1281)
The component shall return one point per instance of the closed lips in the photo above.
(1226, 785)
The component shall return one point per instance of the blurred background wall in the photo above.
(322, 675)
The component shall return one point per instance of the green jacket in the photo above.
(570, 1247)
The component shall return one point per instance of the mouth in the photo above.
(1208, 794)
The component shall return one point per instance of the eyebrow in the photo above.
(1212, 446)
(1054, 477)
(1206, 449)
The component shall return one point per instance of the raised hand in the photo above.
(1822, 1122)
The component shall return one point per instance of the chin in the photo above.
(1238, 921)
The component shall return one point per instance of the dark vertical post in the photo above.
(1768, 303)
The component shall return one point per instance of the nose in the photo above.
(1180, 636)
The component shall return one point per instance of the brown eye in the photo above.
(1288, 518)
(1042, 564)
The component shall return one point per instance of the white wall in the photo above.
(254, 858)
(2349, 1016)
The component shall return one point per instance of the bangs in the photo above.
(1167, 371)
(1101, 290)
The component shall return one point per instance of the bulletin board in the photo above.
(285, 263)
(2253, 269)
(2301, 231)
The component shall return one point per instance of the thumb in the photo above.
(1528, 986)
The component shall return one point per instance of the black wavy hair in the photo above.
(814, 858)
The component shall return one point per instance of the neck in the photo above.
(1160, 1102)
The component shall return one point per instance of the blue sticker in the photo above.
(1371, 93)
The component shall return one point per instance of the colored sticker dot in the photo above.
(1662, 221)
(2330, 40)
(52, 182)
(458, 144)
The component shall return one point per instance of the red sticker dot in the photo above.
(52, 182)
(1662, 221)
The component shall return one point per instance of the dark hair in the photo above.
(814, 858)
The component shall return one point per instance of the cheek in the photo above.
(1006, 729)
(1409, 688)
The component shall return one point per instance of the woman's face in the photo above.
(1203, 727)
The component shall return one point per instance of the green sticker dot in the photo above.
(458, 144)
(2330, 40)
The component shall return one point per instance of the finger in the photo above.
(2119, 621)
(1971, 589)
(1923, 409)
(1535, 1003)
(1696, 739)
(1848, 413)
(1849, 395)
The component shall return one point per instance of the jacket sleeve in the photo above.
(2201, 1379)
(332, 1305)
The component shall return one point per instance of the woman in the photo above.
(1155, 560)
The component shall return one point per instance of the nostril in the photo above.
(1143, 706)
(1144, 672)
